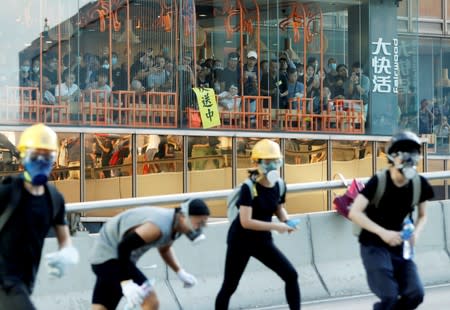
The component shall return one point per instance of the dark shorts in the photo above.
(107, 289)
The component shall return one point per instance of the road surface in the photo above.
(436, 298)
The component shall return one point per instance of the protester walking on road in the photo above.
(250, 232)
(29, 207)
(386, 251)
(126, 237)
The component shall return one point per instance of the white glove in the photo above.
(133, 293)
(57, 262)
(188, 279)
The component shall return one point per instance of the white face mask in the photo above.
(408, 163)
(270, 170)
(273, 176)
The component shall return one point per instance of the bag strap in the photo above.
(381, 175)
(252, 187)
(416, 190)
(281, 186)
(55, 199)
(6, 215)
(14, 198)
(381, 186)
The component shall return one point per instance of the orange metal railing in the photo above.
(253, 112)
(160, 110)
(150, 109)
(343, 116)
(21, 104)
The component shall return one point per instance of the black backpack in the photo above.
(11, 189)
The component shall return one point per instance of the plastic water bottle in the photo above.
(407, 231)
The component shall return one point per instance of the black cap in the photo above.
(198, 207)
(233, 56)
(405, 141)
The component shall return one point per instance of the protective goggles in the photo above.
(409, 159)
(33, 155)
(271, 164)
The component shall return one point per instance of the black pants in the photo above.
(238, 255)
(15, 296)
(392, 279)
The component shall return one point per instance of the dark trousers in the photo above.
(392, 279)
(267, 253)
(15, 296)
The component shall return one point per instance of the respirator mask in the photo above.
(270, 168)
(195, 235)
(38, 166)
(408, 163)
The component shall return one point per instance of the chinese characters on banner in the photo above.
(207, 105)
(385, 66)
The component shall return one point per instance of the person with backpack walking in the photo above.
(392, 274)
(29, 207)
(126, 237)
(250, 232)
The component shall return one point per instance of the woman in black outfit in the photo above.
(250, 233)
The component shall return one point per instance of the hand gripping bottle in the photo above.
(407, 231)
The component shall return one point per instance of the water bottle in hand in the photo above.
(407, 231)
(294, 223)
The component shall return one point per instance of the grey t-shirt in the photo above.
(112, 232)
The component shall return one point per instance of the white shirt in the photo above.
(63, 90)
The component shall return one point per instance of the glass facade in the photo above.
(145, 93)
(269, 65)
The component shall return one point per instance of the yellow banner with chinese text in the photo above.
(207, 104)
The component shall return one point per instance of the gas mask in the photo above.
(38, 167)
(408, 165)
(270, 169)
(195, 235)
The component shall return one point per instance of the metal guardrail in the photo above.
(218, 194)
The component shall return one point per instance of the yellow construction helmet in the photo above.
(266, 149)
(38, 136)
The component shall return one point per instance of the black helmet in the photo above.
(404, 141)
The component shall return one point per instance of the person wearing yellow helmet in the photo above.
(250, 232)
(29, 205)
(37, 147)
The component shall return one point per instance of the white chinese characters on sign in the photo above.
(385, 66)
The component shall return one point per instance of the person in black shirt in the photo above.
(250, 232)
(275, 85)
(119, 75)
(392, 277)
(230, 75)
(31, 207)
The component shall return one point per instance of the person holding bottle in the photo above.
(250, 232)
(391, 276)
(126, 237)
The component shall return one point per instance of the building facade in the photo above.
(148, 93)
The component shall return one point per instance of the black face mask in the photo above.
(195, 235)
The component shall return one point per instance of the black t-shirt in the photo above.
(394, 206)
(22, 237)
(119, 77)
(229, 77)
(265, 202)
